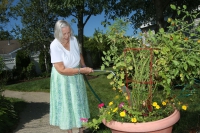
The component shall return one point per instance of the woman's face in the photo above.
(66, 32)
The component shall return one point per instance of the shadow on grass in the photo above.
(189, 122)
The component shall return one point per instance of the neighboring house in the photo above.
(8, 51)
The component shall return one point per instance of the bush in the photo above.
(25, 69)
(43, 68)
(7, 113)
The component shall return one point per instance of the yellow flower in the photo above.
(122, 114)
(164, 103)
(117, 97)
(134, 119)
(115, 109)
(108, 112)
(157, 107)
(127, 98)
(184, 107)
(110, 103)
(169, 20)
(114, 88)
(155, 104)
(198, 41)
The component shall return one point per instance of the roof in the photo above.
(8, 46)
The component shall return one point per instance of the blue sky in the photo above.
(93, 23)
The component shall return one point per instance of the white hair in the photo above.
(58, 29)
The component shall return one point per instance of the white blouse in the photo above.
(69, 58)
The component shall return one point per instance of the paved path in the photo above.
(35, 117)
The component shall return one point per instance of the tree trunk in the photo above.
(159, 15)
(80, 26)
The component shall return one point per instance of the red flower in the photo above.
(121, 105)
(100, 105)
(84, 119)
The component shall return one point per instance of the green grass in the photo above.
(38, 85)
(190, 119)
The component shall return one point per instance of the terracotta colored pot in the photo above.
(160, 126)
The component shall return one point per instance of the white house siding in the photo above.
(9, 63)
(35, 60)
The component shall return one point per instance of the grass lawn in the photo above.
(190, 119)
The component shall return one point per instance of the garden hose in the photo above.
(97, 97)
(193, 91)
(186, 92)
(92, 89)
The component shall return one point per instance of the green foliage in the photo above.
(100, 85)
(140, 12)
(42, 63)
(24, 66)
(177, 50)
(4, 14)
(176, 54)
(22, 60)
(10, 109)
(36, 33)
(7, 113)
(30, 71)
(5, 35)
(2, 65)
(94, 49)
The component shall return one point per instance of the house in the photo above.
(8, 51)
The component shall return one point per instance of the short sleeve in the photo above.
(55, 52)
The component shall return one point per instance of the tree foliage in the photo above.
(4, 12)
(140, 12)
(5, 35)
(38, 23)
(80, 9)
(4, 18)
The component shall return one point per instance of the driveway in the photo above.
(35, 117)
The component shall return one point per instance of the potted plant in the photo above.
(144, 75)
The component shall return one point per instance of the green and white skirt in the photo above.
(68, 100)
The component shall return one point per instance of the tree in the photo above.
(5, 35)
(38, 22)
(4, 12)
(79, 9)
(4, 18)
(145, 11)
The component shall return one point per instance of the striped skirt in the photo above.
(68, 100)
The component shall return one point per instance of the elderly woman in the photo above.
(68, 97)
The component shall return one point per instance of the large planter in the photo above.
(160, 126)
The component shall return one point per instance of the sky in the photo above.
(93, 23)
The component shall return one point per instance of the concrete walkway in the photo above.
(35, 117)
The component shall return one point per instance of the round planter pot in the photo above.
(160, 126)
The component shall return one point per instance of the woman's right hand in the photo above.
(86, 70)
